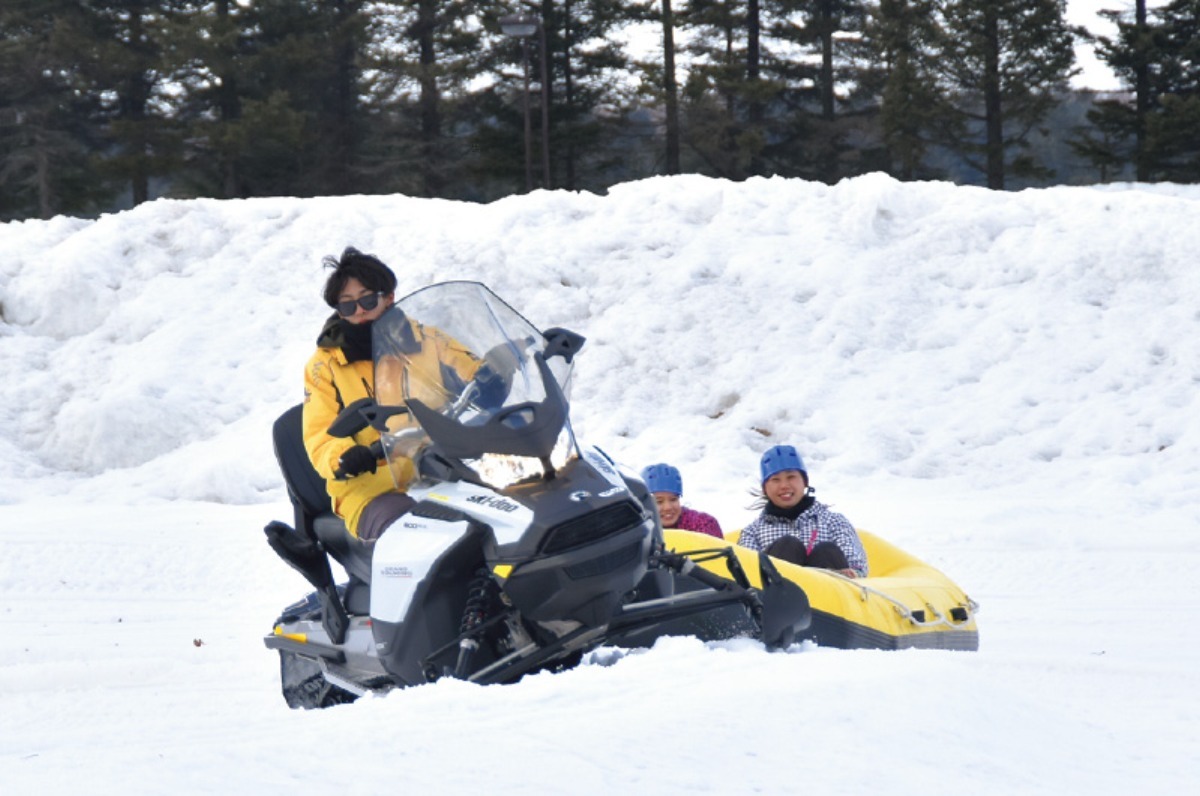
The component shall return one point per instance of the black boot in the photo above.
(308, 558)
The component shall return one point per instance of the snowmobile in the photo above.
(525, 549)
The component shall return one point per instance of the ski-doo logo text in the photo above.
(600, 463)
(494, 502)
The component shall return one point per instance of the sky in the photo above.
(1003, 384)
(1094, 73)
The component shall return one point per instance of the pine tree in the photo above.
(827, 32)
(1117, 133)
(206, 55)
(274, 91)
(1156, 53)
(725, 96)
(658, 115)
(900, 41)
(592, 68)
(777, 86)
(1172, 143)
(46, 131)
(1002, 62)
(422, 57)
(709, 89)
(577, 113)
(121, 49)
(1108, 141)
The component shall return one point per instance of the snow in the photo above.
(1004, 384)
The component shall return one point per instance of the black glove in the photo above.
(356, 461)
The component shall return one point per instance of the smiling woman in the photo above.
(794, 526)
(666, 485)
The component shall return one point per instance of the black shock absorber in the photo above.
(475, 612)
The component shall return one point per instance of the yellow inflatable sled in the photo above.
(904, 603)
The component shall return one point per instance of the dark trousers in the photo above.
(382, 512)
(825, 555)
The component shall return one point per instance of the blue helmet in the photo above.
(779, 459)
(663, 478)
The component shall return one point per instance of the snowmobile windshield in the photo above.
(466, 371)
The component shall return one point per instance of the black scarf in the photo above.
(356, 340)
(792, 513)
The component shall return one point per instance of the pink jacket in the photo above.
(698, 521)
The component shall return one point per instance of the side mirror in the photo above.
(562, 343)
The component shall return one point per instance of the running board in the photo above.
(334, 677)
(308, 649)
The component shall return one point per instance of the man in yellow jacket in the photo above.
(361, 288)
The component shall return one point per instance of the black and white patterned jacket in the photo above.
(817, 523)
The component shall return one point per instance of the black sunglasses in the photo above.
(367, 302)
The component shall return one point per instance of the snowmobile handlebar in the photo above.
(363, 413)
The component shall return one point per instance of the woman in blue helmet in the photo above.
(666, 485)
(793, 526)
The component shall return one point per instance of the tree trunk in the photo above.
(670, 90)
(993, 109)
(430, 99)
(568, 96)
(754, 52)
(826, 32)
(346, 101)
(229, 107)
(1142, 92)
(756, 112)
(133, 109)
(42, 160)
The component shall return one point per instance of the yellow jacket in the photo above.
(332, 382)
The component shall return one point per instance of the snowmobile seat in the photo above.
(314, 517)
